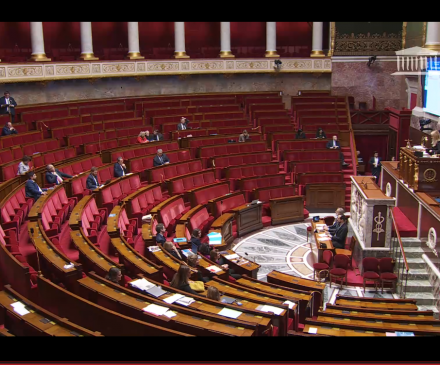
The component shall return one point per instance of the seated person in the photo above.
(32, 189)
(217, 258)
(114, 275)
(334, 145)
(23, 166)
(300, 134)
(156, 136)
(183, 124)
(92, 181)
(205, 249)
(142, 138)
(320, 134)
(160, 159)
(8, 129)
(244, 136)
(119, 168)
(435, 142)
(213, 293)
(181, 280)
(173, 250)
(160, 234)
(55, 176)
(340, 235)
(332, 229)
(195, 240)
(193, 262)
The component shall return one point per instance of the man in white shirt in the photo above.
(7, 105)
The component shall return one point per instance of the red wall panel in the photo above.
(15, 33)
(156, 39)
(61, 34)
(110, 35)
(248, 34)
(202, 39)
(294, 39)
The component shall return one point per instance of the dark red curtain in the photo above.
(248, 39)
(368, 144)
(156, 39)
(62, 39)
(202, 39)
(110, 39)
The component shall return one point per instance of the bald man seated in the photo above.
(55, 176)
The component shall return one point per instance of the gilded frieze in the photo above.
(163, 66)
(25, 71)
(72, 69)
(119, 67)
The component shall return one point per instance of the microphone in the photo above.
(36, 249)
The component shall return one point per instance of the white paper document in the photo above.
(231, 257)
(269, 308)
(155, 309)
(322, 235)
(170, 314)
(313, 330)
(186, 301)
(142, 284)
(289, 303)
(153, 248)
(173, 298)
(213, 268)
(19, 308)
(390, 334)
(230, 313)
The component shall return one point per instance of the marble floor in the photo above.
(286, 248)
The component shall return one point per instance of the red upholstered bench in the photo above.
(14, 209)
(202, 220)
(164, 172)
(43, 146)
(222, 162)
(128, 227)
(81, 166)
(227, 203)
(170, 213)
(247, 185)
(235, 173)
(187, 182)
(130, 152)
(204, 194)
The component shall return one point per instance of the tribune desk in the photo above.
(248, 218)
(249, 268)
(319, 240)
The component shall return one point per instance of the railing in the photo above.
(352, 140)
(398, 255)
(370, 117)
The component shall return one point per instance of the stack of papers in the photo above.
(187, 252)
(19, 308)
(242, 262)
(320, 226)
(153, 248)
(215, 238)
(142, 284)
(230, 313)
(146, 218)
(322, 235)
(156, 291)
(269, 308)
(69, 266)
(186, 301)
(170, 314)
(313, 330)
(173, 298)
(213, 268)
(289, 303)
(157, 310)
(231, 257)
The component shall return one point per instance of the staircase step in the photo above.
(417, 286)
(411, 242)
(416, 252)
(429, 308)
(423, 298)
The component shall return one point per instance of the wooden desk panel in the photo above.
(328, 195)
(287, 209)
(339, 332)
(248, 218)
(319, 240)
(378, 305)
(39, 321)
(186, 320)
(250, 269)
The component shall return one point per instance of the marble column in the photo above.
(317, 40)
(37, 40)
(225, 40)
(87, 42)
(179, 40)
(433, 36)
(133, 41)
(271, 39)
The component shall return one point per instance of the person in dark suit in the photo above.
(92, 181)
(114, 275)
(435, 139)
(340, 235)
(7, 105)
(8, 129)
(334, 145)
(160, 159)
(375, 163)
(195, 240)
(334, 227)
(156, 136)
(181, 280)
(183, 124)
(120, 169)
(55, 176)
(173, 250)
(160, 234)
(218, 259)
(32, 189)
(300, 134)
(320, 134)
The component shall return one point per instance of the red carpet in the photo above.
(354, 278)
(406, 228)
